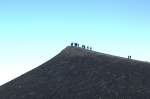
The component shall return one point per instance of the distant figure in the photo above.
(129, 57)
(88, 47)
(75, 44)
(78, 45)
(83, 46)
(71, 44)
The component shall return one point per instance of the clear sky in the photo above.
(33, 31)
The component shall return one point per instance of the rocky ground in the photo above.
(77, 73)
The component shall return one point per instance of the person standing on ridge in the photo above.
(90, 48)
(71, 44)
(75, 44)
(87, 47)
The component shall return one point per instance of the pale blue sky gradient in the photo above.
(33, 31)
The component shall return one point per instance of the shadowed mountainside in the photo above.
(76, 73)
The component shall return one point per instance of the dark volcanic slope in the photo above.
(76, 73)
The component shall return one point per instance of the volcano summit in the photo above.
(77, 73)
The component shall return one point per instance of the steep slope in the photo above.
(77, 73)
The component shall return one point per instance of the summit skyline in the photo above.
(33, 31)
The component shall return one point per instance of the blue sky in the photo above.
(33, 31)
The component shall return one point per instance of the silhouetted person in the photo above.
(83, 46)
(129, 57)
(75, 44)
(78, 45)
(90, 48)
(71, 44)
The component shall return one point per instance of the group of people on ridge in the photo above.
(88, 48)
(83, 46)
